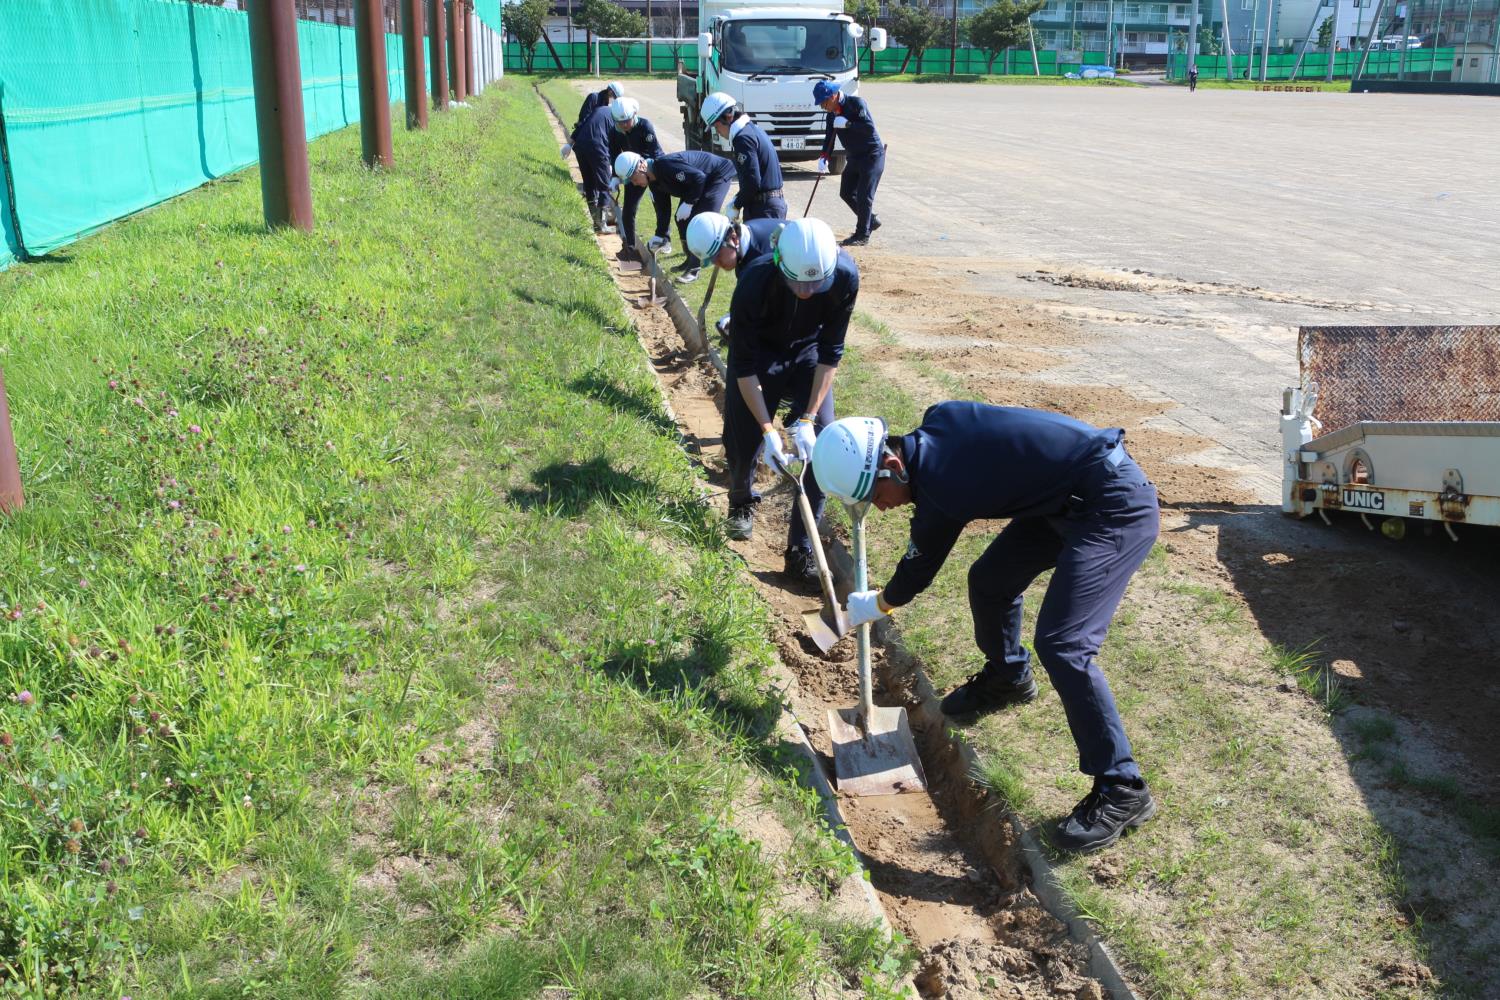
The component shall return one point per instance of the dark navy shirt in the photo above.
(592, 102)
(755, 240)
(640, 139)
(756, 164)
(972, 462)
(686, 175)
(859, 137)
(591, 137)
(770, 326)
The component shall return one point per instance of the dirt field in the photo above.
(1142, 258)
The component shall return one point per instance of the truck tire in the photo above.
(836, 163)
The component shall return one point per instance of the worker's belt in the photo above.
(764, 196)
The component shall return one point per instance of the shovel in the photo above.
(873, 749)
(703, 309)
(827, 625)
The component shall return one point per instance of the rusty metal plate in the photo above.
(1401, 372)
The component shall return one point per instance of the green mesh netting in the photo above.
(114, 105)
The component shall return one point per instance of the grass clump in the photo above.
(365, 632)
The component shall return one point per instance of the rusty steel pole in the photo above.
(285, 184)
(374, 87)
(457, 77)
(413, 29)
(470, 52)
(437, 51)
(12, 497)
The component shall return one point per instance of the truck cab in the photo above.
(768, 58)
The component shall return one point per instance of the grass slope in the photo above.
(364, 632)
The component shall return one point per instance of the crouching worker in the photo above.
(1077, 504)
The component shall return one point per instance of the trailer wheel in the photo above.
(836, 163)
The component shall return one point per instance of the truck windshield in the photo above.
(788, 47)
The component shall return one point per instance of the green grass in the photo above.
(377, 640)
(1337, 86)
(1012, 79)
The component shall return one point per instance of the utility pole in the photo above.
(437, 52)
(1192, 58)
(648, 37)
(953, 49)
(281, 129)
(412, 30)
(1333, 43)
(1265, 43)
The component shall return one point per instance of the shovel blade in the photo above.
(825, 627)
(880, 759)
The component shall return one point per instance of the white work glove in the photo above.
(614, 184)
(841, 122)
(822, 164)
(684, 211)
(734, 214)
(722, 325)
(804, 436)
(655, 243)
(566, 149)
(864, 607)
(772, 454)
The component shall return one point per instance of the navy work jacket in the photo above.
(771, 328)
(859, 137)
(591, 137)
(756, 164)
(972, 462)
(640, 139)
(592, 101)
(686, 175)
(756, 237)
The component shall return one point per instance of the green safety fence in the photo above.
(627, 58)
(1422, 64)
(112, 106)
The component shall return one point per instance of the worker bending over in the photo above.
(789, 315)
(1078, 505)
(598, 99)
(760, 195)
(591, 144)
(849, 119)
(635, 134)
(731, 246)
(698, 180)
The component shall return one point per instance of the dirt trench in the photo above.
(945, 865)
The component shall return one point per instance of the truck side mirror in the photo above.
(877, 39)
(705, 46)
(856, 31)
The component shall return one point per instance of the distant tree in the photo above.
(525, 20)
(915, 27)
(1325, 33)
(1208, 42)
(610, 21)
(865, 14)
(1004, 24)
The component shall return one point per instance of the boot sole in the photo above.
(1129, 824)
(969, 718)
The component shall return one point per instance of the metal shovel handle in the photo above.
(857, 514)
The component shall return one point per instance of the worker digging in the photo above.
(789, 316)
(590, 143)
(698, 180)
(849, 120)
(1077, 504)
(635, 134)
(760, 194)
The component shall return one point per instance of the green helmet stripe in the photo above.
(861, 487)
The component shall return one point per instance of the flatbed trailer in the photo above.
(1395, 424)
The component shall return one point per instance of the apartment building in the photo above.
(1138, 33)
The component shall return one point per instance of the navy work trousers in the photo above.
(764, 208)
(789, 383)
(857, 186)
(1094, 547)
(595, 171)
(712, 200)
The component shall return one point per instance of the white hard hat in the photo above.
(625, 109)
(626, 164)
(714, 106)
(846, 457)
(615, 88)
(706, 233)
(807, 253)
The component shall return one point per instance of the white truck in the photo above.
(768, 58)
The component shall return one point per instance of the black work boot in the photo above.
(801, 567)
(1103, 815)
(986, 692)
(874, 223)
(741, 521)
(857, 240)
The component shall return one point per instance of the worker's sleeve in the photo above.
(616, 147)
(828, 136)
(933, 536)
(747, 328)
(663, 202)
(836, 327)
(746, 165)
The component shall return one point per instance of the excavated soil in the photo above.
(946, 870)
